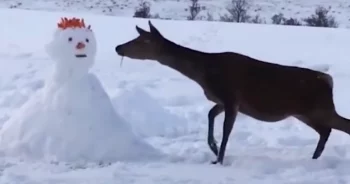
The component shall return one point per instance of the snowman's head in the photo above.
(73, 45)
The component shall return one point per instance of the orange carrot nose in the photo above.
(80, 45)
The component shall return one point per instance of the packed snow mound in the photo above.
(70, 125)
(147, 117)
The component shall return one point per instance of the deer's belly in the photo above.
(210, 96)
(272, 106)
(264, 112)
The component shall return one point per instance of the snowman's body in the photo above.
(72, 117)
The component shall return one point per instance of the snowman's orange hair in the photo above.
(72, 23)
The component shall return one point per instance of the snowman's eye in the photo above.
(87, 40)
(70, 39)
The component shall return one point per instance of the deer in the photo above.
(236, 83)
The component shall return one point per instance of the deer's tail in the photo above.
(340, 123)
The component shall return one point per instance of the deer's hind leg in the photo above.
(324, 131)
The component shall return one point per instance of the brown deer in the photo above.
(237, 83)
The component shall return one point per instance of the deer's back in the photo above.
(273, 88)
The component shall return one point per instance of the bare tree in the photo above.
(238, 11)
(281, 20)
(257, 20)
(321, 18)
(210, 17)
(278, 18)
(143, 10)
(194, 10)
(292, 22)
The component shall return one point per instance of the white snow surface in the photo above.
(257, 152)
(149, 118)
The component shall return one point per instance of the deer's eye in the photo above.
(70, 39)
(87, 40)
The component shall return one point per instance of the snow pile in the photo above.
(148, 117)
(72, 118)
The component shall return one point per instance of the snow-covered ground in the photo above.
(178, 9)
(169, 112)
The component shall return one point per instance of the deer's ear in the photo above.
(141, 31)
(153, 29)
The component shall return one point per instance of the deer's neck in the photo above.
(183, 60)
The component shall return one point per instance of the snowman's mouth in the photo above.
(80, 55)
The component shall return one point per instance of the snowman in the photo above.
(71, 119)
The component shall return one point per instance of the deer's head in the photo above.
(146, 46)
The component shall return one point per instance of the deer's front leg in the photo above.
(230, 117)
(214, 111)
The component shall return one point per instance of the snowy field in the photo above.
(178, 9)
(169, 112)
